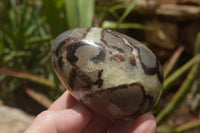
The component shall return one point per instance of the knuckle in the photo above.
(46, 116)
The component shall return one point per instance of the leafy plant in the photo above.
(62, 15)
(24, 42)
(194, 66)
(112, 10)
(23, 37)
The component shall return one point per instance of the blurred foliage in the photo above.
(22, 35)
(27, 30)
(68, 14)
(24, 42)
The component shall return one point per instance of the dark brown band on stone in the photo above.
(82, 75)
(60, 62)
(100, 57)
(85, 34)
(118, 35)
(118, 58)
(109, 90)
(71, 50)
(60, 45)
(72, 78)
(108, 45)
(132, 60)
(99, 81)
(149, 70)
(159, 71)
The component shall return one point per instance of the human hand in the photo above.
(67, 115)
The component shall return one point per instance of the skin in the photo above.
(67, 115)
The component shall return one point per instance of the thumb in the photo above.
(67, 120)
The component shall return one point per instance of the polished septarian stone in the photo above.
(113, 74)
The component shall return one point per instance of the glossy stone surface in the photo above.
(111, 73)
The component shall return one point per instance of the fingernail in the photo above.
(146, 123)
(152, 127)
(151, 123)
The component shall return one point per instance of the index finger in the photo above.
(65, 101)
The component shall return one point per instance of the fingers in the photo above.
(67, 115)
(67, 120)
(122, 126)
(64, 102)
(97, 124)
(144, 124)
